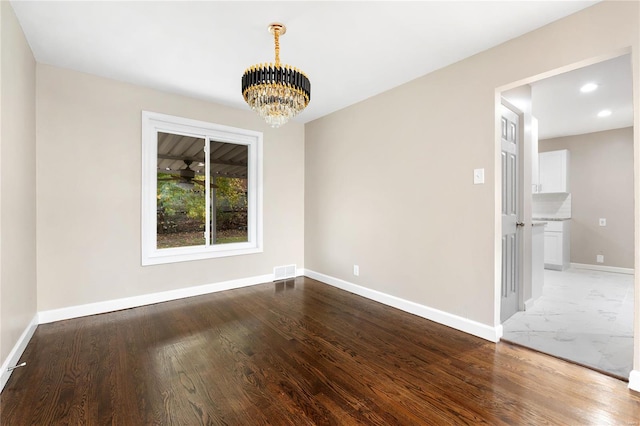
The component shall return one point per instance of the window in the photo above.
(201, 190)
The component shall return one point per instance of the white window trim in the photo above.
(152, 123)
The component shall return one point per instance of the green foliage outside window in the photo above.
(183, 210)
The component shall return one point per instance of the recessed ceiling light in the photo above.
(604, 113)
(589, 87)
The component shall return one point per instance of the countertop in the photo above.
(551, 219)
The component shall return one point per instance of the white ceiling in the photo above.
(349, 50)
(562, 110)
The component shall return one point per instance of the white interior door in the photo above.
(510, 145)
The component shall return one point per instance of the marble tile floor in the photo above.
(583, 316)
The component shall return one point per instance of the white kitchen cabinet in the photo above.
(553, 171)
(557, 240)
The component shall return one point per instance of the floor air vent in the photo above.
(284, 272)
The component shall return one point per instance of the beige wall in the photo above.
(389, 180)
(601, 182)
(89, 188)
(18, 182)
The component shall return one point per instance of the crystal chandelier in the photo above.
(276, 92)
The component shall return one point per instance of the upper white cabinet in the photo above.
(554, 171)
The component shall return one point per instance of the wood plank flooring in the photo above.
(300, 353)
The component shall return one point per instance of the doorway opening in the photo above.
(577, 204)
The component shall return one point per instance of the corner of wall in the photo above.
(15, 354)
(17, 209)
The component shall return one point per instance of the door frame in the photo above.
(526, 178)
(634, 379)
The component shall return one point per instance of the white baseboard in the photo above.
(603, 268)
(484, 331)
(499, 331)
(529, 304)
(15, 354)
(45, 317)
(634, 380)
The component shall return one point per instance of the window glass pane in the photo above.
(181, 194)
(229, 174)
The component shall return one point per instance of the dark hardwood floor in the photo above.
(294, 354)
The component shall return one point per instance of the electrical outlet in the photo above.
(356, 270)
(600, 258)
(602, 221)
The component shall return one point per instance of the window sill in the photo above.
(186, 254)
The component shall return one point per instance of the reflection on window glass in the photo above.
(231, 211)
(181, 191)
(229, 193)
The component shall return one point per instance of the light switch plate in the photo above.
(602, 222)
(478, 176)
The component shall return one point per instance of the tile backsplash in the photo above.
(556, 205)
